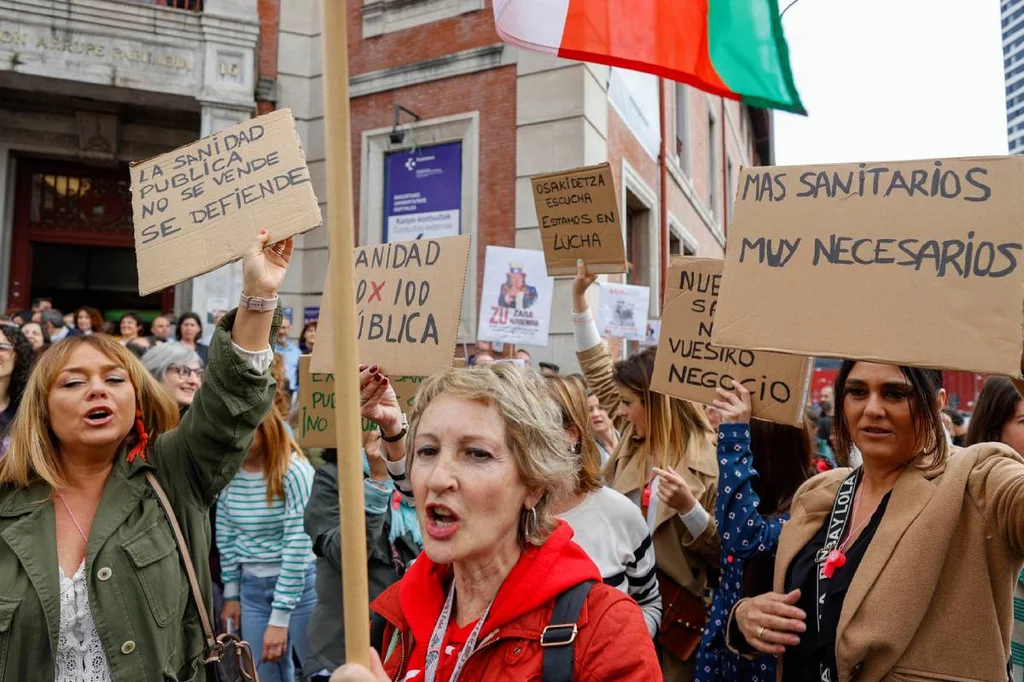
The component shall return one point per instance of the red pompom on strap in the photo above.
(143, 439)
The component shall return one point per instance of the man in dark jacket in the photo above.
(387, 558)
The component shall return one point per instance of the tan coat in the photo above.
(686, 559)
(932, 598)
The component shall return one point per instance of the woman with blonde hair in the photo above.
(499, 590)
(94, 587)
(609, 528)
(266, 558)
(665, 464)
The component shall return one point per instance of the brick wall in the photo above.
(270, 26)
(437, 39)
(493, 94)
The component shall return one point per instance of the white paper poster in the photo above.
(653, 333)
(622, 311)
(515, 306)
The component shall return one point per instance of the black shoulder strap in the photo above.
(559, 636)
(377, 626)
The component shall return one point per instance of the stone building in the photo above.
(432, 87)
(86, 88)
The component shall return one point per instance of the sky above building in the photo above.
(886, 80)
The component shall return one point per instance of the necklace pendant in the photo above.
(834, 561)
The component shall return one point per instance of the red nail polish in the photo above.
(386, 381)
(373, 369)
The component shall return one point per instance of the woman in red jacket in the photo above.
(486, 457)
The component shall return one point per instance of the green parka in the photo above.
(138, 589)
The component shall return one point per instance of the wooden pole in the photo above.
(337, 136)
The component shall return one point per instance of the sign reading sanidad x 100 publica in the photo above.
(408, 303)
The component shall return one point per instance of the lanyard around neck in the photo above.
(837, 522)
(437, 639)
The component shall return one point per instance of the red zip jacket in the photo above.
(613, 644)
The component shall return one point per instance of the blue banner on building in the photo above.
(423, 193)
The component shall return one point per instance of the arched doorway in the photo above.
(73, 240)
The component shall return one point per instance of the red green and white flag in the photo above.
(732, 48)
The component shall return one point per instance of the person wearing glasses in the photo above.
(179, 371)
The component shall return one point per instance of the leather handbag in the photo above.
(682, 619)
(216, 648)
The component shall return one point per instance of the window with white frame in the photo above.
(682, 101)
(680, 241)
(730, 190)
(388, 16)
(714, 172)
(639, 226)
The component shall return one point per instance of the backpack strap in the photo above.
(559, 636)
(377, 625)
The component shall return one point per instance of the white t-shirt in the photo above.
(612, 531)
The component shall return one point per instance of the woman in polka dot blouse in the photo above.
(750, 511)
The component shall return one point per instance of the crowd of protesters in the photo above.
(521, 523)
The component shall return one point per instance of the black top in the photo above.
(6, 417)
(203, 351)
(817, 648)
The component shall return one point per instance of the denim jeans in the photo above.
(257, 595)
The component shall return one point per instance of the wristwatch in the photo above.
(257, 304)
(398, 436)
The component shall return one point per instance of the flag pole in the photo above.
(347, 416)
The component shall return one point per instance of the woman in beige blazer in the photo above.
(901, 570)
(664, 462)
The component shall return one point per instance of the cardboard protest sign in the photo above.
(200, 206)
(316, 407)
(622, 310)
(316, 404)
(408, 302)
(516, 303)
(689, 366)
(913, 263)
(578, 216)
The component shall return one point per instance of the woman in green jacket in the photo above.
(93, 587)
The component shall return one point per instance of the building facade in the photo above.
(85, 89)
(1013, 65)
(431, 76)
(432, 89)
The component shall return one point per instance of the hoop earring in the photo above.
(530, 524)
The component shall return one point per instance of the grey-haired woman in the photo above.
(178, 369)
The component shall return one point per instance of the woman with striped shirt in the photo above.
(609, 528)
(266, 557)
